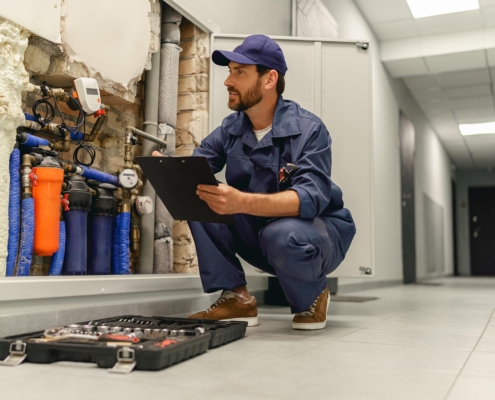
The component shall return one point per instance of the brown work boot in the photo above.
(228, 308)
(316, 315)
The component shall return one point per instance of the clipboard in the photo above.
(175, 180)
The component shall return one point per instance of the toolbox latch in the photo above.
(17, 354)
(126, 361)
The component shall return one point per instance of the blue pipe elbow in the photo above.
(58, 258)
(35, 141)
(14, 211)
(99, 176)
(125, 226)
(27, 237)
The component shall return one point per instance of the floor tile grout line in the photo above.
(467, 359)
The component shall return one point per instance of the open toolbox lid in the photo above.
(157, 342)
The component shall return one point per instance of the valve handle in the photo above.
(33, 178)
(65, 202)
(99, 113)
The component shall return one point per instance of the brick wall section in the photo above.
(192, 124)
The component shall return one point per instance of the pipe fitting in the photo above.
(28, 160)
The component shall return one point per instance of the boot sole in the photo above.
(314, 325)
(251, 321)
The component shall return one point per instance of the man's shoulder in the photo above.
(304, 116)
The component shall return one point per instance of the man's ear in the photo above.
(271, 79)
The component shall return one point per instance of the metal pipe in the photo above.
(147, 136)
(147, 222)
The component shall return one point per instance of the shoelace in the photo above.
(228, 294)
(312, 308)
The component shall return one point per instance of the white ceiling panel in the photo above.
(384, 10)
(422, 83)
(489, 16)
(396, 29)
(472, 103)
(400, 68)
(454, 22)
(487, 3)
(474, 116)
(469, 91)
(431, 96)
(445, 127)
(456, 61)
(464, 78)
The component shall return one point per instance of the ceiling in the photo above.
(448, 63)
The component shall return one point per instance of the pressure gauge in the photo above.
(88, 94)
(143, 205)
(128, 178)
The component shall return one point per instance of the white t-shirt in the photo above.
(262, 132)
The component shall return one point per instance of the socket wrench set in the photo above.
(123, 343)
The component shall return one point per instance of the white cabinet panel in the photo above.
(332, 79)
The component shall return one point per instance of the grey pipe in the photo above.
(167, 118)
(147, 222)
(148, 136)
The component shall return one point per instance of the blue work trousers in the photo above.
(300, 252)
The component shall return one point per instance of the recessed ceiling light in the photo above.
(486, 128)
(428, 8)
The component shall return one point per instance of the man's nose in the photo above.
(227, 82)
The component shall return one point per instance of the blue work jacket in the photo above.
(297, 137)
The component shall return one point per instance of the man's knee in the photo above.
(283, 237)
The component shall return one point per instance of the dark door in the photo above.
(454, 221)
(482, 230)
(407, 146)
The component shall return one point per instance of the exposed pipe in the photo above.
(49, 128)
(116, 246)
(27, 217)
(167, 119)
(293, 20)
(14, 211)
(124, 228)
(99, 176)
(58, 258)
(28, 140)
(147, 221)
(27, 237)
(145, 135)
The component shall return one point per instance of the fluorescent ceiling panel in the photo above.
(429, 8)
(486, 128)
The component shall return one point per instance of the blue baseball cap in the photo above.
(256, 49)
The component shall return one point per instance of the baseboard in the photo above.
(368, 285)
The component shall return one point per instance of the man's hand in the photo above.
(222, 199)
(157, 154)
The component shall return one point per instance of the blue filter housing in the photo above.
(103, 213)
(76, 227)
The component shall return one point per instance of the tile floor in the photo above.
(415, 342)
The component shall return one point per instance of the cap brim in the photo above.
(223, 57)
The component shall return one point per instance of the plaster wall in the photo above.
(465, 180)
(432, 169)
(40, 17)
(13, 79)
(111, 36)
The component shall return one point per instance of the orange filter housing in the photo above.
(47, 186)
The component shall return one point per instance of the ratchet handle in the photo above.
(118, 338)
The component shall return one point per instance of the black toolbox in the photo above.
(142, 343)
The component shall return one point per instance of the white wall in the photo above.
(465, 180)
(268, 17)
(432, 168)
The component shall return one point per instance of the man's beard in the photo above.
(248, 100)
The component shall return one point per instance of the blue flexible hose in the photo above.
(73, 135)
(116, 246)
(14, 211)
(35, 141)
(58, 257)
(99, 176)
(125, 226)
(27, 237)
